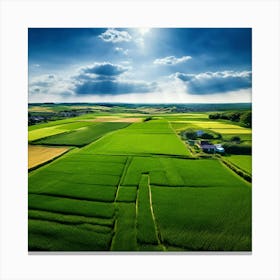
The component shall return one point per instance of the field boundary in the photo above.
(127, 163)
(153, 216)
(241, 173)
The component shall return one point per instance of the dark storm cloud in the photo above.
(103, 78)
(113, 87)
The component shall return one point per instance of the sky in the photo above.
(140, 65)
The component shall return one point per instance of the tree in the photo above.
(246, 119)
(207, 136)
(190, 134)
(148, 119)
(235, 139)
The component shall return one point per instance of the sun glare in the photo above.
(144, 31)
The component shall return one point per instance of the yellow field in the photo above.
(40, 154)
(39, 109)
(209, 125)
(116, 119)
(233, 130)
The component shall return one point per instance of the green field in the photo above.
(137, 187)
(83, 135)
(141, 138)
(56, 129)
(242, 161)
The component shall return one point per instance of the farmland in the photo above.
(38, 155)
(132, 182)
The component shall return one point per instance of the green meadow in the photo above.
(138, 186)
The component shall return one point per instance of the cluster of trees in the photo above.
(237, 149)
(192, 135)
(244, 118)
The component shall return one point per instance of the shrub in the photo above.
(237, 149)
(148, 119)
(190, 134)
(207, 136)
(235, 139)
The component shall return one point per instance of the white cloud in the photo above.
(115, 36)
(49, 84)
(215, 82)
(172, 60)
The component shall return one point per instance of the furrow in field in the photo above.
(147, 235)
(154, 219)
(117, 244)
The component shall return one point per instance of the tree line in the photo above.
(244, 118)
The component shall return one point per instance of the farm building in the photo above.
(208, 147)
(219, 148)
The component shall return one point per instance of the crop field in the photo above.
(83, 135)
(53, 130)
(141, 138)
(40, 154)
(242, 161)
(135, 185)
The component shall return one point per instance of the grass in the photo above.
(75, 169)
(139, 165)
(80, 191)
(47, 131)
(38, 155)
(179, 126)
(69, 219)
(125, 236)
(204, 219)
(200, 173)
(181, 172)
(127, 194)
(70, 206)
(52, 236)
(146, 232)
(243, 137)
(95, 199)
(133, 143)
(84, 135)
(244, 162)
(47, 178)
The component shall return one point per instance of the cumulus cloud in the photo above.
(104, 69)
(171, 60)
(50, 84)
(115, 36)
(107, 78)
(215, 82)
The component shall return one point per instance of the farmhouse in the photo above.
(207, 147)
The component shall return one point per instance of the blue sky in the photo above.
(144, 65)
